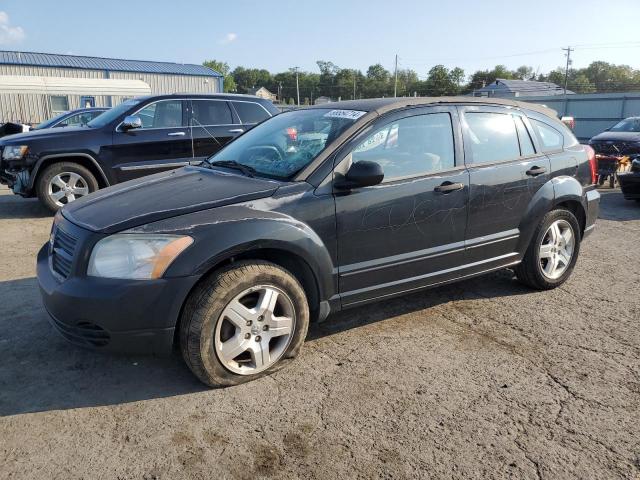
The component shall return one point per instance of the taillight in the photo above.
(593, 164)
(292, 133)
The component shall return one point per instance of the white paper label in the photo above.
(350, 114)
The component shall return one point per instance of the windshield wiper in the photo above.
(246, 169)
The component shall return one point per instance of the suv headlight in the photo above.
(14, 152)
(135, 256)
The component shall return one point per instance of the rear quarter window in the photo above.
(550, 138)
(250, 112)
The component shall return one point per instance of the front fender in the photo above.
(225, 232)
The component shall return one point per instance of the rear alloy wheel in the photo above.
(62, 183)
(553, 251)
(243, 321)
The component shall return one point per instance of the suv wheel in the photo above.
(243, 322)
(62, 183)
(552, 254)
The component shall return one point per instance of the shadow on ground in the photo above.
(614, 207)
(40, 371)
(15, 207)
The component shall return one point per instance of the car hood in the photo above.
(20, 138)
(164, 195)
(617, 137)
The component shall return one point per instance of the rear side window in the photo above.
(410, 147)
(550, 138)
(526, 145)
(208, 112)
(492, 137)
(250, 112)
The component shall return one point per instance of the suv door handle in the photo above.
(448, 187)
(176, 134)
(535, 171)
(236, 130)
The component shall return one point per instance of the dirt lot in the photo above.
(480, 379)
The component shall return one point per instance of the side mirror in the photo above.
(131, 122)
(362, 174)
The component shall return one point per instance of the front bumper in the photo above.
(630, 185)
(592, 207)
(132, 316)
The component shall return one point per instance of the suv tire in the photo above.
(231, 318)
(50, 185)
(549, 244)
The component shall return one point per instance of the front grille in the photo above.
(616, 148)
(84, 333)
(62, 251)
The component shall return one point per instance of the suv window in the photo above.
(250, 112)
(550, 138)
(162, 114)
(526, 145)
(410, 147)
(492, 137)
(210, 112)
(80, 118)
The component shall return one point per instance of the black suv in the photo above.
(315, 211)
(138, 137)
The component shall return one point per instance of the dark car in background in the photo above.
(615, 148)
(73, 118)
(139, 137)
(311, 212)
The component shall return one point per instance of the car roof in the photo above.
(384, 105)
(218, 96)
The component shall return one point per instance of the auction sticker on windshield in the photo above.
(350, 114)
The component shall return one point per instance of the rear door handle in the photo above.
(236, 130)
(535, 171)
(176, 134)
(447, 187)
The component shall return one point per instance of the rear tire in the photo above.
(64, 182)
(228, 333)
(535, 269)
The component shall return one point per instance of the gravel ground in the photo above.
(482, 379)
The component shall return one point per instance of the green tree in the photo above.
(223, 68)
(439, 82)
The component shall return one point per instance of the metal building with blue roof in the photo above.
(125, 79)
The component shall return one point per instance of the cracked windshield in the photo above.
(289, 142)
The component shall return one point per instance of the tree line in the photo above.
(347, 83)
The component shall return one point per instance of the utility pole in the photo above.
(566, 70)
(297, 85)
(354, 84)
(395, 84)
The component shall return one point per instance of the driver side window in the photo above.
(163, 114)
(410, 147)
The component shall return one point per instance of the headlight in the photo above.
(135, 256)
(14, 152)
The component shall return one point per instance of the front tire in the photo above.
(243, 322)
(62, 183)
(552, 253)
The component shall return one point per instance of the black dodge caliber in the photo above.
(311, 212)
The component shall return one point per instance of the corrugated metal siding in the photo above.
(33, 111)
(593, 112)
(98, 63)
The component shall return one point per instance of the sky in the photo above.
(351, 33)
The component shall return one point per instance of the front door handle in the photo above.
(176, 134)
(236, 130)
(448, 187)
(535, 171)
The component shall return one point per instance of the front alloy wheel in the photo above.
(243, 321)
(66, 187)
(255, 329)
(62, 183)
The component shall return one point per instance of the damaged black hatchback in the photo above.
(311, 212)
